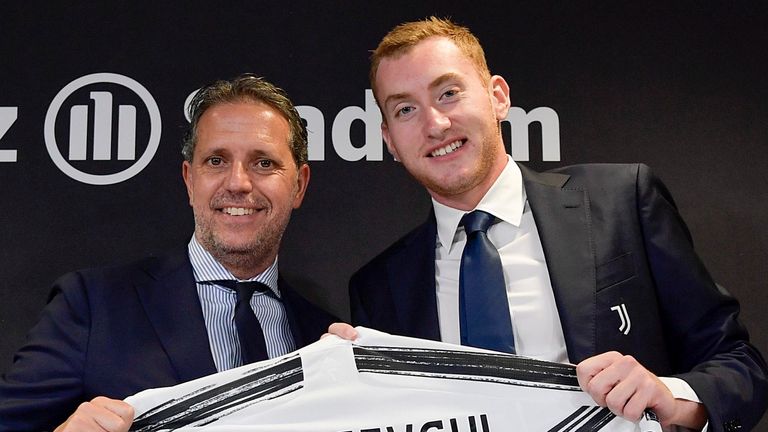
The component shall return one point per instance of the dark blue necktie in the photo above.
(252, 345)
(483, 304)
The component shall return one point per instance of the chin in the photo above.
(238, 247)
(232, 244)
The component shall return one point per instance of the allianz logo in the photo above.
(105, 128)
(73, 126)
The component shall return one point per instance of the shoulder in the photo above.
(113, 278)
(635, 179)
(418, 241)
(604, 172)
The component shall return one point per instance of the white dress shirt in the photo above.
(218, 305)
(536, 323)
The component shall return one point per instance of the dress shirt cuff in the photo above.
(682, 390)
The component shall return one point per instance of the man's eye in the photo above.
(265, 163)
(404, 110)
(450, 93)
(215, 161)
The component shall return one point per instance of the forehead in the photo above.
(244, 121)
(421, 64)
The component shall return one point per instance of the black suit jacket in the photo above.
(611, 235)
(115, 331)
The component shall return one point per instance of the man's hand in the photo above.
(101, 414)
(623, 385)
(342, 330)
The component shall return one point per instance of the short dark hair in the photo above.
(244, 88)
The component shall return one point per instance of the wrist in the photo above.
(690, 415)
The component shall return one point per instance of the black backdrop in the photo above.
(680, 86)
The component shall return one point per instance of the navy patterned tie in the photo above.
(483, 304)
(249, 332)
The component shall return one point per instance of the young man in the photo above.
(109, 333)
(572, 248)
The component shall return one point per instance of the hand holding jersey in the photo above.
(623, 385)
(100, 414)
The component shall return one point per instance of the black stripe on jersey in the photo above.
(598, 421)
(463, 365)
(585, 419)
(208, 404)
(572, 420)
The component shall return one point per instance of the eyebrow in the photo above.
(395, 98)
(224, 151)
(442, 79)
(437, 82)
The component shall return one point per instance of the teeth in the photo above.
(237, 211)
(450, 148)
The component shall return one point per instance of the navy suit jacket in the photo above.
(611, 235)
(118, 330)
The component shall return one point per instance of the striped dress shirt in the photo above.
(218, 304)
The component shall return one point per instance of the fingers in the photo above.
(123, 413)
(100, 414)
(624, 386)
(633, 393)
(589, 368)
(342, 330)
(605, 374)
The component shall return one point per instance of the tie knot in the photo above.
(244, 290)
(478, 220)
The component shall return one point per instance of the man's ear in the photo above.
(302, 180)
(186, 174)
(499, 90)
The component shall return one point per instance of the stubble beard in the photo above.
(457, 186)
(252, 256)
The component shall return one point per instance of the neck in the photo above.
(244, 265)
(470, 198)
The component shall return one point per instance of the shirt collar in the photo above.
(505, 200)
(206, 268)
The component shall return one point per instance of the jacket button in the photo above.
(732, 426)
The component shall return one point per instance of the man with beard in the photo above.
(108, 333)
(568, 252)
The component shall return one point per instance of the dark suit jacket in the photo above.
(115, 331)
(611, 235)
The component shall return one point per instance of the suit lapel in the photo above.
(287, 297)
(562, 218)
(412, 281)
(173, 307)
(306, 321)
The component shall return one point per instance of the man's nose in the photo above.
(437, 122)
(239, 178)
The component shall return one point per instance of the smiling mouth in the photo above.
(237, 211)
(450, 148)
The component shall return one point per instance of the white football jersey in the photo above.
(382, 383)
